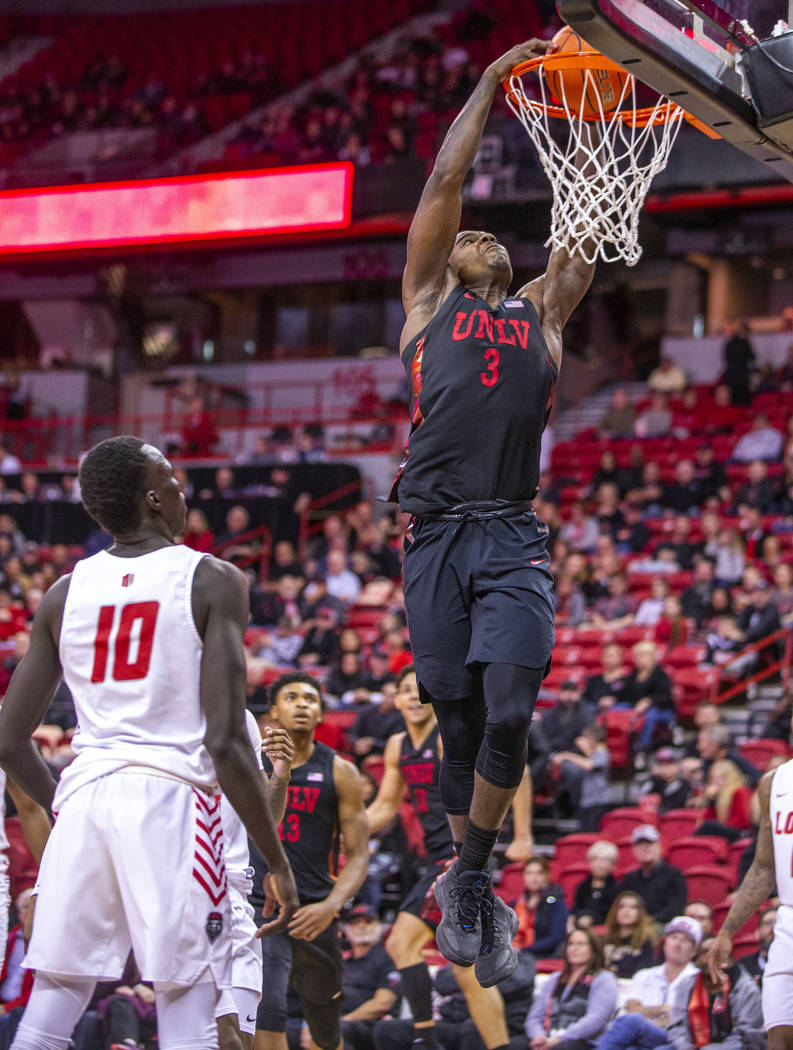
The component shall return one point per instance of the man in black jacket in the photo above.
(660, 885)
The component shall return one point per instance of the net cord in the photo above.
(601, 175)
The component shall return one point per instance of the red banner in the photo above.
(222, 206)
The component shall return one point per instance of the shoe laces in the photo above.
(492, 932)
(467, 900)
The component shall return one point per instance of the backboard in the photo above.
(689, 51)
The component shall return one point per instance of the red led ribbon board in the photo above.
(192, 208)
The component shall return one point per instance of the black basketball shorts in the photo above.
(477, 592)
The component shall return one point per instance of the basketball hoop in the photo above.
(601, 176)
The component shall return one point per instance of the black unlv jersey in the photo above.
(308, 830)
(420, 768)
(481, 391)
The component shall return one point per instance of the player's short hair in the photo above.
(112, 482)
(406, 670)
(290, 678)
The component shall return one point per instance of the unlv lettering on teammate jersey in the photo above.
(420, 768)
(481, 392)
(308, 830)
(133, 667)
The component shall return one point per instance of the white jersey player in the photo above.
(242, 1000)
(772, 866)
(149, 637)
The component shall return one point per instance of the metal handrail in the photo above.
(309, 528)
(262, 556)
(766, 672)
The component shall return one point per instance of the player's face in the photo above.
(478, 256)
(297, 707)
(408, 702)
(161, 480)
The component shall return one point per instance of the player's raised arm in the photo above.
(220, 602)
(754, 891)
(437, 219)
(385, 805)
(28, 697)
(557, 293)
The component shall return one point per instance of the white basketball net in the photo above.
(601, 176)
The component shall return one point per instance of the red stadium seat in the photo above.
(549, 965)
(695, 850)
(570, 879)
(678, 823)
(692, 685)
(510, 885)
(709, 883)
(734, 853)
(760, 752)
(685, 656)
(745, 942)
(618, 725)
(619, 823)
(572, 849)
(720, 911)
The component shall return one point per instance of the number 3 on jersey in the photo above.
(137, 623)
(490, 377)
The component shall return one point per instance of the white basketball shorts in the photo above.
(778, 974)
(246, 965)
(135, 860)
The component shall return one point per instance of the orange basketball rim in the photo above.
(593, 60)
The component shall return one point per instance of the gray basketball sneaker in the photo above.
(459, 895)
(497, 958)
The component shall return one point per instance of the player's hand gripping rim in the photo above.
(499, 70)
(280, 890)
(719, 957)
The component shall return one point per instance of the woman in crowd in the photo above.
(729, 802)
(630, 936)
(673, 628)
(198, 535)
(574, 1006)
(598, 891)
(541, 910)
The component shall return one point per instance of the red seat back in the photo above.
(694, 850)
(709, 883)
(619, 823)
(678, 823)
(510, 885)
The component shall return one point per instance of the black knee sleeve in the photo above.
(324, 1022)
(461, 724)
(510, 695)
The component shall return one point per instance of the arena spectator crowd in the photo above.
(656, 553)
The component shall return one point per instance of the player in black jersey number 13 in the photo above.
(478, 590)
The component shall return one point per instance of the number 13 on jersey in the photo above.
(136, 624)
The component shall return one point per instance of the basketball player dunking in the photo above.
(412, 760)
(771, 867)
(149, 638)
(482, 368)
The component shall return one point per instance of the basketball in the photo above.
(587, 92)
